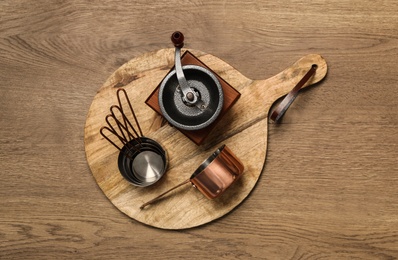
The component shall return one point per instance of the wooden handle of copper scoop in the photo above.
(178, 39)
(164, 193)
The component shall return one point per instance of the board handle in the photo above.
(280, 110)
(282, 83)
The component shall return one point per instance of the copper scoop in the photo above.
(213, 176)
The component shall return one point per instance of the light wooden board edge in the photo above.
(243, 129)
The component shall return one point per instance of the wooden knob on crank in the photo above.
(178, 39)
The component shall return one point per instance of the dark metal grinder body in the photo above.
(190, 96)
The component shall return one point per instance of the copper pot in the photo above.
(217, 173)
(213, 177)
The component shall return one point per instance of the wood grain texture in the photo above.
(243, 129)
(328, 189)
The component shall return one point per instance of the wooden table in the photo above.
(329, 188)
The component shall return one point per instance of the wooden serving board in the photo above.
(243, 129)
